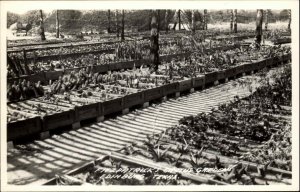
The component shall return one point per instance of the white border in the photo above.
(271, 4)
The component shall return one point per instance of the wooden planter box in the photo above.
(88, 111)
(26, 127)
(112, 106)
(185, 85)
(133, 99)
(239, 69)
(152, 94)
(286, 58)
(127, 65)
(269, 62)
(211, 77)
(262, 64)
(60, 119)
(140, 62)
(53, 75)
(277, 60)
(198, 81)
(230, 72)
(33, 78)
(248, 67)
(101, 68)
(170, 88)
(221, 74)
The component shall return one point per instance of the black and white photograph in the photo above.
(175, 95)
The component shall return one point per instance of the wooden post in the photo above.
(123, 23)
(258, 31)
(154, 46)
(235, 21)
(42, 33)
(57, 25)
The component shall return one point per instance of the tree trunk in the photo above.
(154, 46)
(117, 24)
(166, 21)
(205, 19)
(108, 17)
(290, 19)
(43, 38)
(266, 19)
(57, 25)
(235, 21)
(258, 31)
(158, 20)
(179, 20)
(231, 20)
(123, 23)
(193, 22)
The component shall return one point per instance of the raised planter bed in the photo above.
(231, 72)
(248, 67)
(239, 69)
(269, 62)
(185, 85)
(211, 77)
(112, 106)
(286, 58)
(133, 99)
(25, 127)
(170, 88)
(221, 75)
(198, 81)
(100, 68)
(152, 94)
(57, 120)
(53, 75)
(33, 78)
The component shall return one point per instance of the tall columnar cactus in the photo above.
(258, 31)
(42, 30)
(235, 21)
(154, 41)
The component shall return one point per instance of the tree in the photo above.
(179, 20)
(117, 23)
(166, 20)
(266, 19)
(122, 30)
(284, 15)
(12, 18)
(205, 19)
(57, 25)
(231, 20)
(108, 18)
(235, 21)
(258, 31)
(193, 22)
(290, 19)
(154, 46)
(42, 30)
